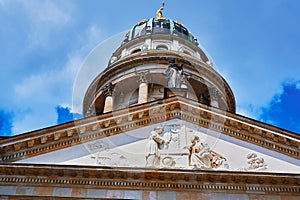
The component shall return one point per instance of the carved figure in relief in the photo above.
(174, 75)
(170, 139)
(153, 146)
(111, 159)
(255, 162)
(219, 161)
(201, 156)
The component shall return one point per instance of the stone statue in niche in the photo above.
(174, 74)
(201, 156)
(153, 146)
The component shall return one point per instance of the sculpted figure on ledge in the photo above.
(174, 75)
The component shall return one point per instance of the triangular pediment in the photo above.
(213, 151)
(194, 137)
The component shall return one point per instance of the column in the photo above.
(108, 104)
(143, 88)
(215, 95)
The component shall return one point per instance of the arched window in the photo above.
(188, 53)
(161, 47)
(136, 51)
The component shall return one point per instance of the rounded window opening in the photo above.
(136, 51)
(188, 53)
(161, 47)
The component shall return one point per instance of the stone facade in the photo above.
(23, 180)
(159, 123)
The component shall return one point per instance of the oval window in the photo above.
(161, 47)
(136, 51)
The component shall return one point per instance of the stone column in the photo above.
(143, 88)
(184, 81)
(215, 95)
(108, 105)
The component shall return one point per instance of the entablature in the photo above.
(148, 179)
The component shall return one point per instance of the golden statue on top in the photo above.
(159, 12)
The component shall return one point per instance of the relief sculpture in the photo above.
(110, 159)
(255, 163)
(169, 149)
(153, 146)
(202, 157)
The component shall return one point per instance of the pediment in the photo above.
(226, 141)
(181, 145)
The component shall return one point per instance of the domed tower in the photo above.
(159, 58)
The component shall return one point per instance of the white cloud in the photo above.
(46, 18)
(95, 62)
(47, 12)
(37, 96)
(249, 111)
(255, 88)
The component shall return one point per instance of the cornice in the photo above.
(117, 122)
(148, 179)
(166, 37)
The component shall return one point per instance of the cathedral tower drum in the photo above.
(158, 58)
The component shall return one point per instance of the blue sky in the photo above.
(255, 46)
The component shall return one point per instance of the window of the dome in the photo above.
(181, 31)
(188, 53)
(139, 30)
(161, 47)
(136, 51)
(161, 26)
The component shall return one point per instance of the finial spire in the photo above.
(159, 14)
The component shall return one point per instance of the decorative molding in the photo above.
(16, 148)
(123, 178)
(142, 77)
(107, 90)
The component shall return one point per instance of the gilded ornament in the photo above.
(159, 14)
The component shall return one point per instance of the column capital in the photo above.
(107, 89)
(142, 77)
(214, 94)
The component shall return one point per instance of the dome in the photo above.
(159, 26)
(159, 34)
(140, 70)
